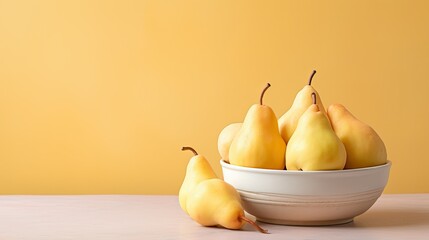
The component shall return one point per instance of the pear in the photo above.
(364, 146)
(289, 120)
(314, 144)
(225, 138)
(198, 170)
(214, 202)
(258, 143)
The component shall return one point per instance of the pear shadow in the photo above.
(389, 218)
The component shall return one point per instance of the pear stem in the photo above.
(313, 96)
(191, 149)
(256, 226)
(263, 92)
(311, 77)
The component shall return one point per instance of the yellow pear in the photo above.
(214, 202)
(363, 145)
(289, 120)
(198, 170)
(314, 144)
(258, 143)
(225, 138)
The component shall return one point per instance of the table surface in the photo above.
(396, 216)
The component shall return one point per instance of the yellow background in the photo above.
(99, 96)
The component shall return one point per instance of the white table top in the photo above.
(402, 216)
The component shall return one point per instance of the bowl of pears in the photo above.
(309, 167)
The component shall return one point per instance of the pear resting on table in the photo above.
(208, 200)
(327, 140)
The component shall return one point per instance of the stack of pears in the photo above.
(306, 137)
(209, 200)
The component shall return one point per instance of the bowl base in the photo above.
(305, 223)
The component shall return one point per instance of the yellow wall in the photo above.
(99, 96)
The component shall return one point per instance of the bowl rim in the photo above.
(297, 172)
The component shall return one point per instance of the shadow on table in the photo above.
(389, 218)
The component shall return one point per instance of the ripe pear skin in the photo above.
(364, 146)
(314, 145)
(215, 202)
(198, 170)
(289, 120)
(225, 139)
(258, 143)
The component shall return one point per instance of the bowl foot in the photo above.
(305, 223)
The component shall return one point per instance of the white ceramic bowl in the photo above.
(307, 197)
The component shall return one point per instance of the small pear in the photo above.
(364, 146)
(289, 120)
(198, 170)
(214, 202)
(314, 145)
(258, 143)
(225, 139)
